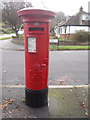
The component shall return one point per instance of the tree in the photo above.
(9, 14)
(60, 16)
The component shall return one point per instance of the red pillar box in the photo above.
(36, 32)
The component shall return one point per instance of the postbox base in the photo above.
(36, 98)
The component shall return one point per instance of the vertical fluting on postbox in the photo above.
(36, 39)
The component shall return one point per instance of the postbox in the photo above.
(36, 39)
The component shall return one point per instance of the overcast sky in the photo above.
(69, 7)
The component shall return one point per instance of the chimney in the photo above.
(81, 9)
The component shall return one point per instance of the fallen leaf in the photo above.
(86, 114)
(4, 105)
(83, 105)
(10, 112)
(17, 107)
(12, 100)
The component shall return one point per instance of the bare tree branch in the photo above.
(9, 13)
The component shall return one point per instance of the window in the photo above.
(85, 17)
(65, 29)
(61, 30)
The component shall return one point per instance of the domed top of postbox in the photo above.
(35, 14)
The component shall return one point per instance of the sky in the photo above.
(69, 7)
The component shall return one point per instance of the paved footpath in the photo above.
(64, 102)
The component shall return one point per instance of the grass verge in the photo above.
(5, 38)
(70, 48)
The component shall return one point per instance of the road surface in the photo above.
(65, 68)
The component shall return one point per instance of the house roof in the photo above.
(75, 20)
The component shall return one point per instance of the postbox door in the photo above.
(37, 57)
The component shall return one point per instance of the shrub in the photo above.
(81, 36)
(61, 39)
(53, 37)
(22, 26)
(6, 31)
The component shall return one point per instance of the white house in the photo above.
(80, 21)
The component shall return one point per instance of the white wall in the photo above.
(72, 29)
(89, 29)
(57, 31)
